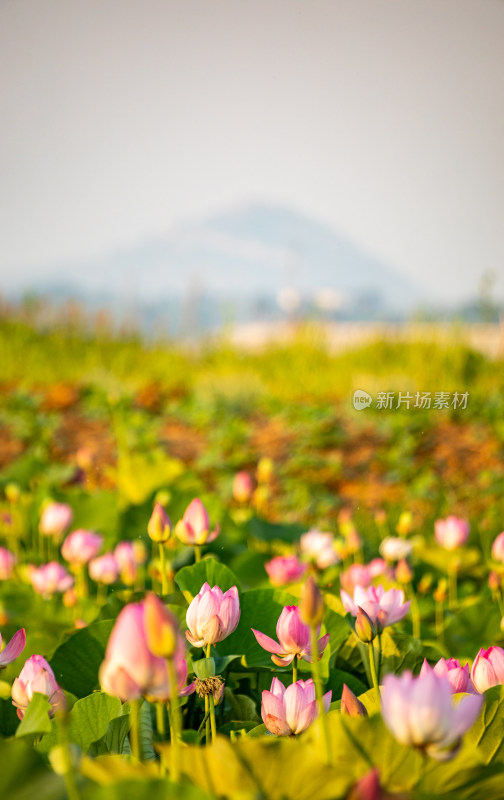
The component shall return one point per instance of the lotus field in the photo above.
(220, 580)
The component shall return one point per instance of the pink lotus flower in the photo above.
(319, 548)
(286, 712)
(81, 546)
(36, 676)
(294, 639)
(243, 487)
(488, 669)
(130, 669)
(49, 579)
(284, 569)
(7, 563)
(498, 548)
(13, 649)
(457, 675)
(383, 608)
(363, 574)
(55, 520)
(212, 615)
(194, 527)
(420, 712)
(104, 569)
(451, 532)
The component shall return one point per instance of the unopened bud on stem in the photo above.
(311, 606)
(364, 626)
(351, 705)
(159, 527)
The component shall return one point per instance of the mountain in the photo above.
(256, 251)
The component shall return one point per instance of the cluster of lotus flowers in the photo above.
(418, 711)
(146, 652)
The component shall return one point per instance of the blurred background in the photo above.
(180, 168)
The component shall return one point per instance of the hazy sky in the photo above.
(384, 118)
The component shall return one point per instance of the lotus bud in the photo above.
(265, 470)
(7, 564)
(403, 572)
(353, 540)
(194, 527)
(380, 517)
(364, 626)
(284, 569)
(159, 527)
(493, 581)
(498, 548)
(488, 669)
(139, 552)
(81, 546)
(440, 593)
(351, 705)
(405, 523)
(425, 583)
(161, 627)
(12, 492)
(311, 606)
(451, 532)
(261, 498)
(104, 569)
(55, 520)
(243, 487)
(367, 788)
(69, 598)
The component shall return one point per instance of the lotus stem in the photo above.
(415, 615)
(210, 706)
(372, 668)
(212, 717)
(176, 722)
(318, 694)
(380, 653)
(452, 585)
(164, 583)
(101, 594)
(135, 729)
(197, 553)
(294, 670)
(160, 720)
(207, 720)
(439, 621)
(68, 769)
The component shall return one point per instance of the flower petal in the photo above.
(14, 648)
(266, 642)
